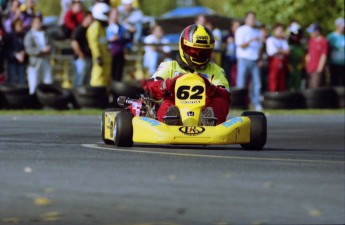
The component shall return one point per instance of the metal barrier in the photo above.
(62, 62)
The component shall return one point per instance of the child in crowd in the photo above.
(117, 37)
(154, 55)
(38, 48)
(277, 51)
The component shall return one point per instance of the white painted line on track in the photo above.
(211, 156)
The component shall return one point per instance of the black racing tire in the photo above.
(123, 130)
(340, 90)
(2, 100)
(106, 141)
(321, 98)
(124, 89)
(18, 97)
(258, 131)
(239, 98)
(91, 97)
(283, 100)
(54, 97)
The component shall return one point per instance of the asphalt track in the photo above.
(55, 170)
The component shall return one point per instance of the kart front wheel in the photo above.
(123, 130)
(258, 131)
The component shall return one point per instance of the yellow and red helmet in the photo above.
(196, 46)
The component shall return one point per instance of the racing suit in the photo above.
(217, 92)
(96, 37)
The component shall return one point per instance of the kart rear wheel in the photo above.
(258, 131)
(123, 130)
(106, 141)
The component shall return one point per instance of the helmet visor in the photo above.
(198, 54)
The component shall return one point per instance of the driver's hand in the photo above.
(168, 85)
(210, 90)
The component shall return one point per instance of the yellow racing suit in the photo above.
(101, 57)
(219, 100)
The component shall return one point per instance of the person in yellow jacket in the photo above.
(96, 37)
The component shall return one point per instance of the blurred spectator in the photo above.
(263, 63)
(13, 14)
(317, 56)
(248, 43)
(230, 60)
(82, 52)
(16, 56)
(65, 5)
(73, 17)
(277, 51)
(131, 18)
(28, 12)
(296, 57)
(97, 40)
(38, 48)
(336, 42)
(2, 52)
(154, 55)
(217, 34)
(200, 20)
(117, 37)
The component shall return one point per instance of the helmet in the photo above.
(100, 11)
(196, 46)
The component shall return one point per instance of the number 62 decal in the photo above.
(184, 91)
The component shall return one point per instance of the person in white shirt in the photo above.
(248, 43)
(154, 55)
(131, 18)
(277, 51)
(37, 46)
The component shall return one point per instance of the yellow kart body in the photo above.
(190, 98)
(150, 131)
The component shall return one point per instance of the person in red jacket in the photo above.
(317, 57)
(73, 17)
(195, 47)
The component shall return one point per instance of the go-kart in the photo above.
(137, 122)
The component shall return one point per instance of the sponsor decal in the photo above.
(190, 113)
(192, 131)
(201, 37)
(150, 121)
(191, 102)
(231, 122)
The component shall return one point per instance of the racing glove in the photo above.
(167, 86)
(210, 88)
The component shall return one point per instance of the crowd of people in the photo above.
(99, 39)
(286, 59)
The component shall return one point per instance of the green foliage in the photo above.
(284, 11)
(156, 7)
(268, 11)
(49, 7)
